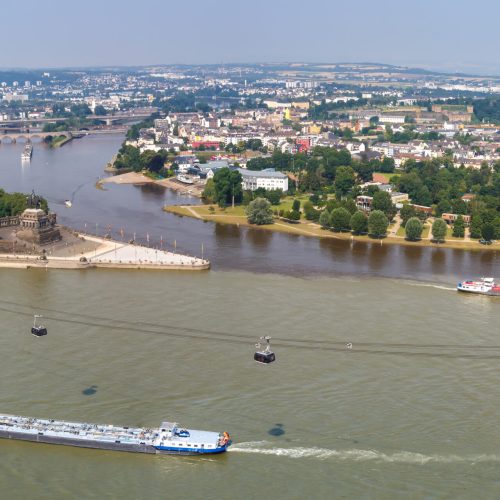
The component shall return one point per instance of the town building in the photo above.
(451, 218)
(267, 179)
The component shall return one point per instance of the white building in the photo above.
(15, 97)
(396, 119)
(267, 179)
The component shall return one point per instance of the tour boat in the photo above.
(168, 438)
(27, 152)
(484, 286)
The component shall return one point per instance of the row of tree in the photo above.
(341, 220)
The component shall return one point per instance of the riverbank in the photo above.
(138, 179)
(236, 216)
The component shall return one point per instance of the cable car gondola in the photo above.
(38, 330)
(266, 355)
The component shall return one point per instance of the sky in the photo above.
(446, 35)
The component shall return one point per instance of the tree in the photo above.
(359, 222)
(310, 213)
(496, 223)
(387, 165)
(377, 224)
(100, 111)
(227, 186)
(414, 229)
(350, 205)
(340, 219)
(209, 192)
(344, 180)
(407, 212)
(259, 212)
(296, 205)
(382, 201)
(292, 215)
(324, 219)
(439, 228)
(476, 224)
(247, 197)
(273, 196)
(459, 227)
(152, 161)
(488, 231)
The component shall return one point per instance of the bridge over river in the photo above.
(13, 137)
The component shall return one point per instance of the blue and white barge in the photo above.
(169, 438)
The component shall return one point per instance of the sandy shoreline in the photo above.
(140, 179)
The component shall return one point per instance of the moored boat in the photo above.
(484, 286)
(169, 438)
(185, 179)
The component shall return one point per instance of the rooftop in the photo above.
(269, 173)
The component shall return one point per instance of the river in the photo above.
(72, 171)
(410, 411)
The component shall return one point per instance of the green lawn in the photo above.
(287, 202)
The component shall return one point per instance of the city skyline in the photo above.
(445, 36)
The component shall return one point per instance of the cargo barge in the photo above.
(169, 438)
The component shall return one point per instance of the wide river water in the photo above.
(410, 411)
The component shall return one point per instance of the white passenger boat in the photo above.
(484, 286)
(27, 152)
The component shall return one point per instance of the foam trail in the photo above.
(430, 285)
(357, 455)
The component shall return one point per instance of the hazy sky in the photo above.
(452, 35)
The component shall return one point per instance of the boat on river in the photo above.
(169, 438)
(27, 152)
(484, 286)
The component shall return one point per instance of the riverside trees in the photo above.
(439, 228)
(227, 186)
(414, 229)
(359, 223)
(259, 212)
(459, 227)
(340, 219)
(377, 224)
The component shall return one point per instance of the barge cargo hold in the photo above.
(169, 438)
